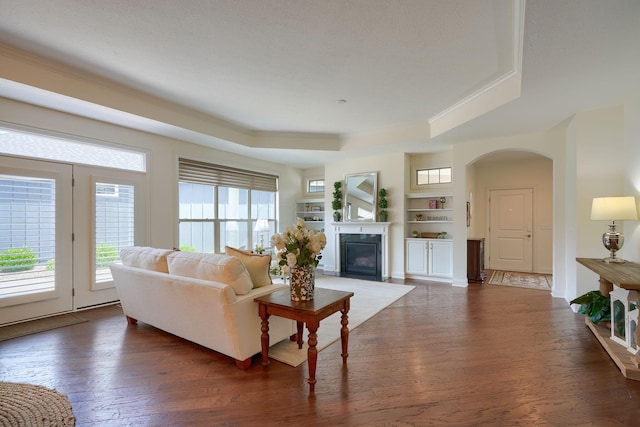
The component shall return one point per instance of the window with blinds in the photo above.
(27, 235)
(114, 228)
(220, 206)
(197, 172)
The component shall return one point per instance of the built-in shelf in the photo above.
(312, 211)
(424, 212)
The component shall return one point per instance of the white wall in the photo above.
(162, 155)
(631, 157)
(464, 154)
(594, 154)
(391, 175)
(607, 164)
(473, 196)
(442, 159)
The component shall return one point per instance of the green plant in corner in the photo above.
(595, 305)
(336, 203)
(383, 204)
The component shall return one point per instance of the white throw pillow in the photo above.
(144, 257)
(214, 267)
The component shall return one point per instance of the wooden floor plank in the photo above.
(441, 355)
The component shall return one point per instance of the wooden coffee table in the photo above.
(325, 303)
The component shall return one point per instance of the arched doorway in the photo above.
(523, 182)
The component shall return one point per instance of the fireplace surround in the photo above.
(380, 229)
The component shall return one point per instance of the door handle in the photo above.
(528, 235)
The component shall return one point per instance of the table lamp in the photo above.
(613, 209)
(262, 225)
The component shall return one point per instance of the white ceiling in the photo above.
(277, 69)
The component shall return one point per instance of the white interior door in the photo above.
(511, 230)
(35, 239)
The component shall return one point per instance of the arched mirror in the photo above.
(360, 194)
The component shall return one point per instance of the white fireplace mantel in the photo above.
(380, 228)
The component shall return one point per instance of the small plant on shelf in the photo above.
(383, 204)
(336, 204)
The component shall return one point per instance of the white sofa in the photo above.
(204, 298)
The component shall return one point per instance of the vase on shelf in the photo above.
(302, 282)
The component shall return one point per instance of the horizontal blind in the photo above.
(27, 235)
(114, 225)
(206, 173)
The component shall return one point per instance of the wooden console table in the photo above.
(626, 276)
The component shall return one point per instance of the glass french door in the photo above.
(61, 226)
(109, 213)
(36, 227)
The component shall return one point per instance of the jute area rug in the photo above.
(39, 325)
(369, 299)
(28, 405)
(521, 280)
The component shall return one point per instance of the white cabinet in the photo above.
(416, 257)
(429, 259)
(440, 258)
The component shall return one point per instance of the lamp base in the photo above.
(613, 241)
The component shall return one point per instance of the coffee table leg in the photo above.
(344, 333)
(264, 338)
(312, 354)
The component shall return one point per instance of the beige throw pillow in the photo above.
(257, 265)
(214, 267)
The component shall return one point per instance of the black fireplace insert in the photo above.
(361, 256)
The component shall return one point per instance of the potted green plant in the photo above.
(595, 305)
(598, 308)
(336, 204)
(383, 204)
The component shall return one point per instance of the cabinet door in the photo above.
(440, 258)
(416, 257)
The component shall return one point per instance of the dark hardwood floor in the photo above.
(444, 356)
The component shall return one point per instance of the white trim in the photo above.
(380, 228)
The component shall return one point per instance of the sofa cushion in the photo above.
(256, 264)
(147, 258)
(214, 267)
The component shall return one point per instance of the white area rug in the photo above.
(369, 299)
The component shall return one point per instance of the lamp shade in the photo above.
(614, 208)
(262, 225)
